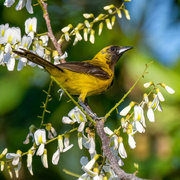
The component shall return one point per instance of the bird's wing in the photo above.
(85, 67)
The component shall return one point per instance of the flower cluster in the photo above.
(10, 39)
(135, 121)
(38, 148)
(87, 26)
(20, 5)
(76, 116)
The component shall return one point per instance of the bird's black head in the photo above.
(113, 53)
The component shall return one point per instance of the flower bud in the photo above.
(146, 85)
(87, 16)
(113, 20)
(167, 88)
(92, 38)
(109, 26)
(145, 97)
(160, 96)
(109, 7)
(127, 14)
(119, 13)
(125, 111)
(99, 17)
(100, 28)
(67, 28)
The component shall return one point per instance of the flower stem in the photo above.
(117, 104)
(45, 103)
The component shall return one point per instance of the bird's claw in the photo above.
(90, 113)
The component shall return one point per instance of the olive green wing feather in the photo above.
(85, 67)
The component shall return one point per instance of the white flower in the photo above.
(4, 152)
(67, 120)
(78, 35)
(150, 115)
(160, 96)
(29, 161)
(92, 144)
(108, 23)
(138, 113)
(80, 137)
(57, 58)
(44, 40)
(85, 34)
(92, 37)
(3, 28)
(22, 62)
(40, 139)
(146, 85)
(90, 164)
(31, 26)
(44, 159)
(26, 42)
(32, 129)
(68, 147)
(167, 88)
(145, 96)
(60, 143)
(77, 116)
(138, 126)
(89, 143)
(131, 141)
(16, 169)
(1, 57)
(152, 106)
(126, 110)
(56, 157)
(51, 131)
(9, 3)
(113, 139)
(15, 156)
(9, 59)
(2, 165)
(121, 149)
(66, 140)
(22, 3)
(12, 35)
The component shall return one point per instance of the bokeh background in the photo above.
(154, 32)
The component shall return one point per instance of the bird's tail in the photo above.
(37, 59)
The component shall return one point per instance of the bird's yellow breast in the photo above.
(79, 83)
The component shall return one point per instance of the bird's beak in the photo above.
(124, 49)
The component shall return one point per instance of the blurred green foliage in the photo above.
(158, 150)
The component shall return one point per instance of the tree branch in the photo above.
(50, 32)
(112, 159)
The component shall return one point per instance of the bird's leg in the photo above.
(87, 109)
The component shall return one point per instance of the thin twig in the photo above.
(50, 32)
(117, 104)
(45, 103)
(70, 173)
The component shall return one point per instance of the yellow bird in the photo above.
(84, 78)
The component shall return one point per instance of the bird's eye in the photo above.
(113, 48)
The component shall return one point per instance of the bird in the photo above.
(82, 78)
